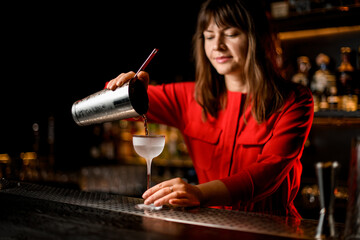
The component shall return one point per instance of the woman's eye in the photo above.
(209, 37)
(231, 35)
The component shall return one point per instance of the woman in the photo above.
(244, 125)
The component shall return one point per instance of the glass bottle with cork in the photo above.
(346, 82)
(323, 81)
(302, 76)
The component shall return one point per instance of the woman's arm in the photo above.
(166, 102)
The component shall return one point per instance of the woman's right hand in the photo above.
(125, 77)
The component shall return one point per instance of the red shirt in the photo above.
(259, 163)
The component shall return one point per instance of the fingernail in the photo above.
(145, 194)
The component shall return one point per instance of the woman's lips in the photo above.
(222, 59)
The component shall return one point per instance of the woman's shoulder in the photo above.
(298, 92)
(299, 95)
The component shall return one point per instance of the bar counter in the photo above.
(32, 211)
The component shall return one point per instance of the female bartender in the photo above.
(244, 125)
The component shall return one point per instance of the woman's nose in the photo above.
(219, 44)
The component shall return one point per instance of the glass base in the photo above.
(150, 207)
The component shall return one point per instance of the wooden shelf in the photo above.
(320, 18)
(318, 32)
(337, 114)
(337, 118)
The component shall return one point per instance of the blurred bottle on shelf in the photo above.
(300, 6)
(346, 82)
(51, 141)
(4, 165)
(357, 77)
(323, 80)
(305, 6)
(107, 146)
(30, 168)
(345, 72)
(112, 143)
(36, 137)
(302, 75)
(358, 58)
(279, 9)
(323, 104)
(333, 99)
(124, 147)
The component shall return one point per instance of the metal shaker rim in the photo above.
(138, 96)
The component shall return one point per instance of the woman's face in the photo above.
(226, 48)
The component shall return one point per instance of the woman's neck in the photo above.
(236, 84)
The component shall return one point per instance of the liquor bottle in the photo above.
(345, 82)
(322, 81)
(357, 78)
(345, 72)
(324, 105)
(358, 58)
(333, 99)
(302, 76)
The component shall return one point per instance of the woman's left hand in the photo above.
(175, 192)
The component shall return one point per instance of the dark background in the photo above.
(53, 54)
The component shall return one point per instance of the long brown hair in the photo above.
(266, 88)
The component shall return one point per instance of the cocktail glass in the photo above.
(148, 147)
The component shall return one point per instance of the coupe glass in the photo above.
(148, 147)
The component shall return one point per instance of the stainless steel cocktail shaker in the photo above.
(128, 101)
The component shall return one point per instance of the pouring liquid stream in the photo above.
(145, 125)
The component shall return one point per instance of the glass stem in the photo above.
(148, 165)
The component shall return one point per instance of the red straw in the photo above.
(147, 61)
